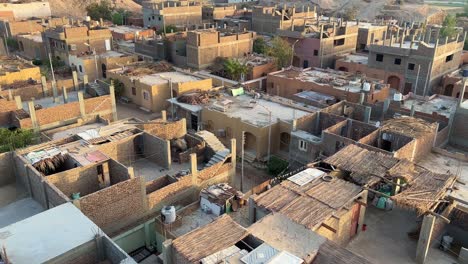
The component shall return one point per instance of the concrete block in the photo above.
(44, 85)
(75, 81)
(82, 104)
(65, 94)
(19, 103)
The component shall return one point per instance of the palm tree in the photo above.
(235, 69)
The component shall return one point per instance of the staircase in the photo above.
(211, 141)
(218, 157)
(97, 89)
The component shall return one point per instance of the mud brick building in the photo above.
(267, 20)
(14, 70)
(149, 86)
(204, 46)
(319, 46)
(130, 32)
(177, 13)
(12, 28)
(74, 40)
(31, 46)
(213, 13)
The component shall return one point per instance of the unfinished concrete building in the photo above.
(319, 44)
(452, 85)
(267, 20)
(341, 85)
(31, 47)
(368, 34)
(205, 46)
(411, 64)
(159, 15)
(214, 13)
(46, 106)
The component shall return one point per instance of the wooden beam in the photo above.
(329, 227)
(361, 203)
(440, 216)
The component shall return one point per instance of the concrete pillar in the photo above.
(131, 172)
(106, 174)
(32, 115)
(367, 114)
(446, 40)
(391, 40)
(85, 81)
(462, 92)
(10, 94)
(427, 39)
(193, 167)
(384, 37)
(147, 235)
(19, 103)
(362, 98)
(164, 115)
(385, 107)
(233, 159)
(402, 39)
(82, 104)
(75, 81)
(424, 238)
(54, 91)
(65, 95)
(167, 251)
(44, 86)
(101, 255)
(413, 109)
(252, 209)
(113, 102)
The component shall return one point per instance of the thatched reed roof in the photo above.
(424, 190)
(367, 167)
(331, 253)
(409, 126)
(202, 242)
(309, 205)
(51, 164)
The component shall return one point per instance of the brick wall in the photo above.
(166, 130)
(7, 174)
(110, 207)
(83, 180)
(54, 196)
(157, 197)
(157, 150)
(122, 150)
(6, 107)
(36, 186)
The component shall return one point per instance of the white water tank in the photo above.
(168, 214)
(87, 18)
(366, 87)
(398, 97)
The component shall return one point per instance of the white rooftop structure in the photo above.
(164, 77)
(306, 176)
(47, 235)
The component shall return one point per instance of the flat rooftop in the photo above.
(443, 105)
(19, 210)
(407, 45)
(47, 235)
(8, 64)
(255, 111)
(164, 77)
(33, 37)
(256, 60)
(126, 29)
(48, 102)
(356, 58)
(150, 171)
(339, 80)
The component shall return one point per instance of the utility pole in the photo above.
(242, 161)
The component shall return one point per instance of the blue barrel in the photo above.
(465, 72)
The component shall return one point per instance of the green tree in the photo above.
(118, 87)
(260, 46)
(117, 18)
(169, 29)
(99, 10)
(235, 69)
(448, 26)
(282, 51)
(15, 139)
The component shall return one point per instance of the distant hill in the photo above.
(76, 8)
